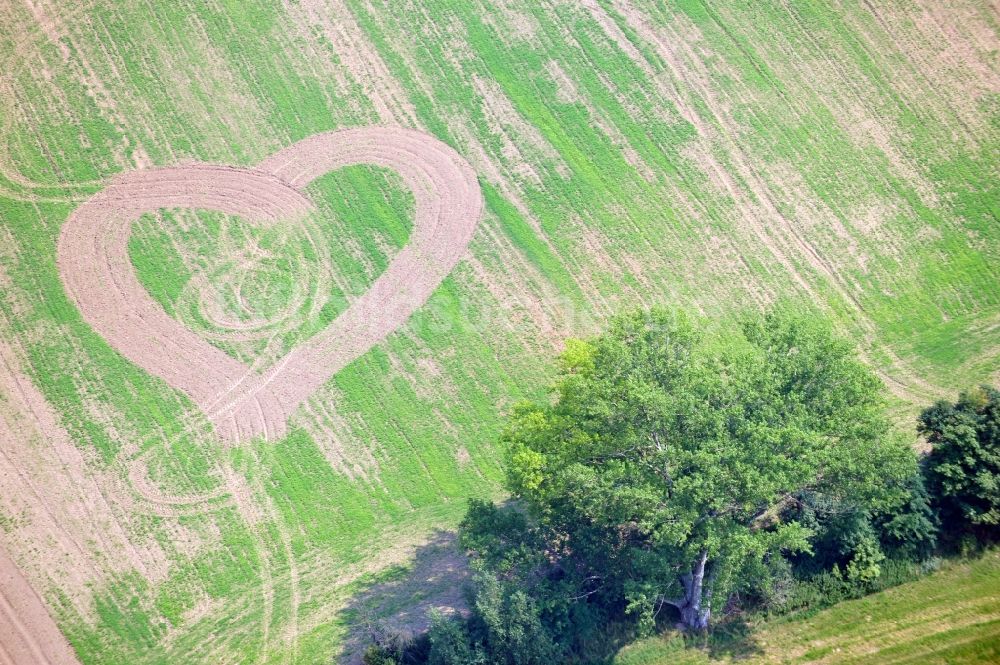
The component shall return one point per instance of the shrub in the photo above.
(963, 468)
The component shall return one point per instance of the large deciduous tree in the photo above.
(662, 467)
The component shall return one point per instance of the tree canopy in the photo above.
(678, 462)
(663, 466)
(963, 468)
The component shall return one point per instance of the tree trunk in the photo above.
(693, 616)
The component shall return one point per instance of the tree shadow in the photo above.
(733, 638)
(399, 600)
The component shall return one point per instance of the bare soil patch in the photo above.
(28, 635)
(242, 403)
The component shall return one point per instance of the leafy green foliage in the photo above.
(963, 468)
(949, 616)
(500, 539)
(748, 464)
(910, 530)
(505, 627)
(671, 449)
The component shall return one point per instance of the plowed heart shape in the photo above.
(241, 403)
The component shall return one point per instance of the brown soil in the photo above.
(333, 434)
(64, 503)
(28, 635)
(57, 523)
(242, 403)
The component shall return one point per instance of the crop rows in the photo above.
(706, 155)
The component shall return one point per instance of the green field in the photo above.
(712, 156)
(947, 617)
